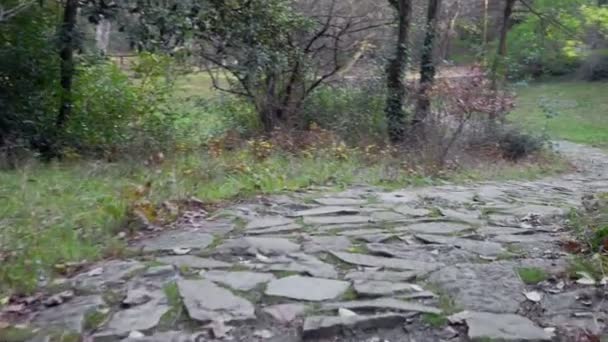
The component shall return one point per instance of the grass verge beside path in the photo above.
(580, 108)
(54, 214)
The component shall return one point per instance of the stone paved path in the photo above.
(447, 263)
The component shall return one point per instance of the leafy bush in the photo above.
(560, 41)
(465, 111)
(105, 102)
(515, 144)
(595, 68)
(355, 113)
(536, 56)
(115, 112)
(29, 74)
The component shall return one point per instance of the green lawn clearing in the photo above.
(575, 111)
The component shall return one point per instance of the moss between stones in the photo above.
(435, 320)
(94, 320)
(13, 334)
(532, 275)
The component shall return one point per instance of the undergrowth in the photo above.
(54, 214)
(591, 229)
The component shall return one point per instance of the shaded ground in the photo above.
(448, 263)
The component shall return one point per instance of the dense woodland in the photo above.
(277, 58)
(109, 108)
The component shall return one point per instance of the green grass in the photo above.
(58, 213)
(358, 249)
(349, 295)
(94, 320)
(435, 320)
(51, 214)
(541, 165)
(532, 275)
(176, 311)
(581, 110)
(591, 230)
(198, 84)
(12, 334)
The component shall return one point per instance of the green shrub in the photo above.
(29, 76)
(354, 113)
(114, 111)
(105, 102)
(595, 67)
(516, 145)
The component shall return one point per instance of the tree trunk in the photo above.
(395, 79)
(67, 38)
(449, 32)
(502, 45)
(102, 35)
(427, 69)
(484, 43)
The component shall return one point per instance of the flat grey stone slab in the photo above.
(449, 195)
(329, 210)
(413, 212)
(306, 288)
(383, 276)
(485, 248)
(388, 216)
(162, 271)
(254, 245)
(285, 313)
(360, 232)
(318, 327)
(69, 316)
(267, 222)
(389, 263)
(500, 327)
(301, 263)
(397, 197)
(381, 304)
(141, 317)
(169, 336)
(493, 287)
(592, 322)
(315, 244)
(380, 288)
(111, 273)
(171, 240)
(344, 219)
(446, 228)
(273, 230)
(242, 280)
(545, 211)
(206, 301)
(336, 201)
(375, 238)
(470, 217)
(138, 293)
(193, 262)
(493, 231)
(569, 302)
(444, 254)
(530, 238)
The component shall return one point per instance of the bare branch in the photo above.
(6, 15)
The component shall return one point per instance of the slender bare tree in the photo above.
(67, 36)
(395, 78)
(502, 45)
(427, 69)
